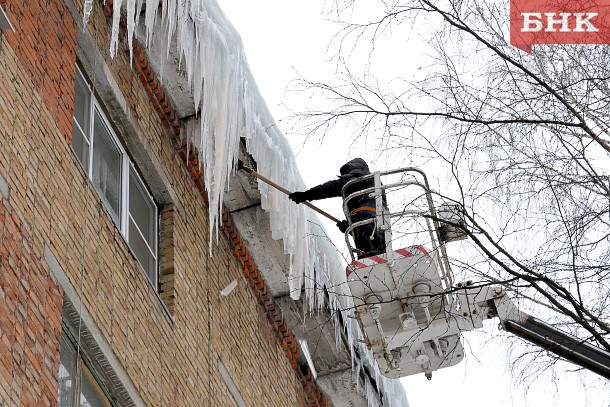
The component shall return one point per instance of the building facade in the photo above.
(111, 291)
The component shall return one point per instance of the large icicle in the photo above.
(116, 18)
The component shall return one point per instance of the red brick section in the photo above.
(30, 318)
(45, 43)
(167, 115)
(30, 302)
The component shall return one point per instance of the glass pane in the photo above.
(142, 209)
(107, 161)
(82, 102)
(143, 254)
(90, 393)
(80, 145)
(66, 374)
(80, 128)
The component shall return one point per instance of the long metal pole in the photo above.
(284, 190)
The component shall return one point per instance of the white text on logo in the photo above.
(562, 22)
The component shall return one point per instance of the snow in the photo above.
(230, 107)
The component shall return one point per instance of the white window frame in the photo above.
(127, 166)
(127, 215)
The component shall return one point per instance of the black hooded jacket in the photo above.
(352, 169)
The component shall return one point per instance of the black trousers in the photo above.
(366, 246)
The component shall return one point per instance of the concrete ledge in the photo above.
(320, 333)
(342, 388)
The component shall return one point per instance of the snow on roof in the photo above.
(211, 54)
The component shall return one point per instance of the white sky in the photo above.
(286, 38)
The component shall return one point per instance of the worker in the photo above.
(369, 242)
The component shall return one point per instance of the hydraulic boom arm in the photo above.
(493, 302)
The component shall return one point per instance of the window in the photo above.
(77, 385)
(115, 178)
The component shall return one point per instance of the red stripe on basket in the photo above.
(421, 249)
(357, 264)
(404, 252)
(378, 259)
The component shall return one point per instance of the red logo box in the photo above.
(559, 22)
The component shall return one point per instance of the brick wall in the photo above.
(44, 39)
(50, 202)
(30, 317)
(30, 303)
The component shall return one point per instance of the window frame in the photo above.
(157, 218)
(127, 166)
(81, 366)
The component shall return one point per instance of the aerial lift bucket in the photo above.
(400, 297)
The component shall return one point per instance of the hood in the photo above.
(355, 167)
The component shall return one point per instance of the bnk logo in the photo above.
(559, 22)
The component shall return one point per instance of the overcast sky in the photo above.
(284, 39)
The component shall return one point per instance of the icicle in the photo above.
(131, 24)
(152, 6)
(87, 7)
(139, 6)
(116, 18)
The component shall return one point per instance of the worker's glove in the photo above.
(298, 197)
(342, 225)
(240, 165)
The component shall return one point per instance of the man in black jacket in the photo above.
(361, 207)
